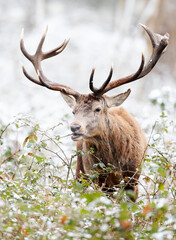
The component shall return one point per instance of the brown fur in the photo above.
(119, 142)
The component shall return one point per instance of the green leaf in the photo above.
(161, 187)
(166, 130)
(131, 194)
(93, 177)
(91, 196)
(39, 159)
(43, 145)
(95, 165)
(163, 115)
(148, 160)
(162, 171)
(101, 164)
(84, 211)
(36, 127)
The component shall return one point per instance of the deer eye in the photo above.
(97, 109)
(73, 113)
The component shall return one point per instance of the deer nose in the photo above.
(75, 128)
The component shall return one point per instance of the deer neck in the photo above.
(101, 148)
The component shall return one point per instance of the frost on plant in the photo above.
(40, 199)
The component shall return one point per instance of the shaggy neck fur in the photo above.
(115, 145)
(103, 144)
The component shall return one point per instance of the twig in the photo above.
(148, 196)
(2, 131)
(51, 139)
(67, 135)
(11, 155)
(49, 150)
(69, 168)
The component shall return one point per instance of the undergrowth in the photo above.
(40, 198)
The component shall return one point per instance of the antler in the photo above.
(159, 43)
(36, 61)
(95, 90)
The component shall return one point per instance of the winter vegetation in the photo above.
(39, 196)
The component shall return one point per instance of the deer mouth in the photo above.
(76, 136)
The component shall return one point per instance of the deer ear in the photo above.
(69, 100)
(114, 101)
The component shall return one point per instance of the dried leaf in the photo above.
(126, 179)
(31, 154)
(23, 230)
(30, 138)
(169, 166)
(147, 179)
(25, 141)
(126, 224)
(63, 219)
(147, 209)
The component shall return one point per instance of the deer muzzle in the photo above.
(75, 132)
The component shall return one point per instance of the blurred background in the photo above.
(101, 32)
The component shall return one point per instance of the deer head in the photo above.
(91, 110)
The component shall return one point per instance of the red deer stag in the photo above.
(99, 124)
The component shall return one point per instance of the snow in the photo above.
(160, 202)
(163, 234)
(104, 227)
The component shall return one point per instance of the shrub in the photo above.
(40, 199)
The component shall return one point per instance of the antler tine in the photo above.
(52, 52)
(30, 77)
(98, 91)
(91, 80)
(36, 61)
(40, 45)
(23, 49)
(127, 79)
(159, 44)
(57, 50)
(29, 57)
